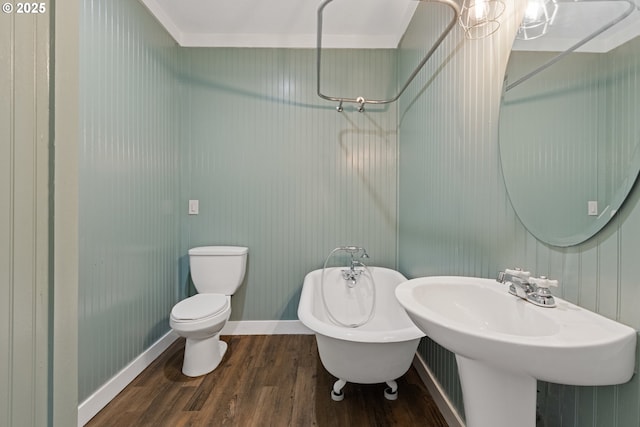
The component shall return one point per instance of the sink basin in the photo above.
(503, 344)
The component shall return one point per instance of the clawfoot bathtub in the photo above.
(381, 349)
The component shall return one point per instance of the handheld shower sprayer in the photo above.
(354, 250)
(354, 273)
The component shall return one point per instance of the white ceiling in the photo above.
(284, 23)
(360, 23)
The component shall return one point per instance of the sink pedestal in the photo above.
(494, 397)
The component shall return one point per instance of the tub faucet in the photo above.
(351, 275)
(531, 289)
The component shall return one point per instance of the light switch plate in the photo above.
(194, 207)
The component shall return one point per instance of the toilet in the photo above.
(217, 272)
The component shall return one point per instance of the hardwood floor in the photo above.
(263, 380)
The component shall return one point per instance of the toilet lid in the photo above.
(200, 306)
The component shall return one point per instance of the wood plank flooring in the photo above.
(263, 380)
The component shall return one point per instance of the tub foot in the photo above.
(391, 392)
(336, 392)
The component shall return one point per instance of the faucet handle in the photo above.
(543, 282)
(517, 272)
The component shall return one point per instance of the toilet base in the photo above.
(202, 356)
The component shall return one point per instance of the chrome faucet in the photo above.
(351, 275)
(531, 289)
(542, 295)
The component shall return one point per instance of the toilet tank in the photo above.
(218, 269)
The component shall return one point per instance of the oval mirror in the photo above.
(570, 116)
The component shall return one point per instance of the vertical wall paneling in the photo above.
(129, 184)
(279, 170)
(24, 218)
(455, 216)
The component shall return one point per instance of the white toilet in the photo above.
(217, 272)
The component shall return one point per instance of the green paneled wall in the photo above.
(281, 171)
(455, 216)
(274, 167)
(129, 185)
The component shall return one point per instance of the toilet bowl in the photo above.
(217, 272)
(200, 319)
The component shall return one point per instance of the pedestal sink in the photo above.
(503, 344)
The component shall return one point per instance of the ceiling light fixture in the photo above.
(538, 16)
(479, 18)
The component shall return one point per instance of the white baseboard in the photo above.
(441, 399)
(98, 400)
(265, 327)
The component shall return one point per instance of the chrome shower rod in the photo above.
(360, 99)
